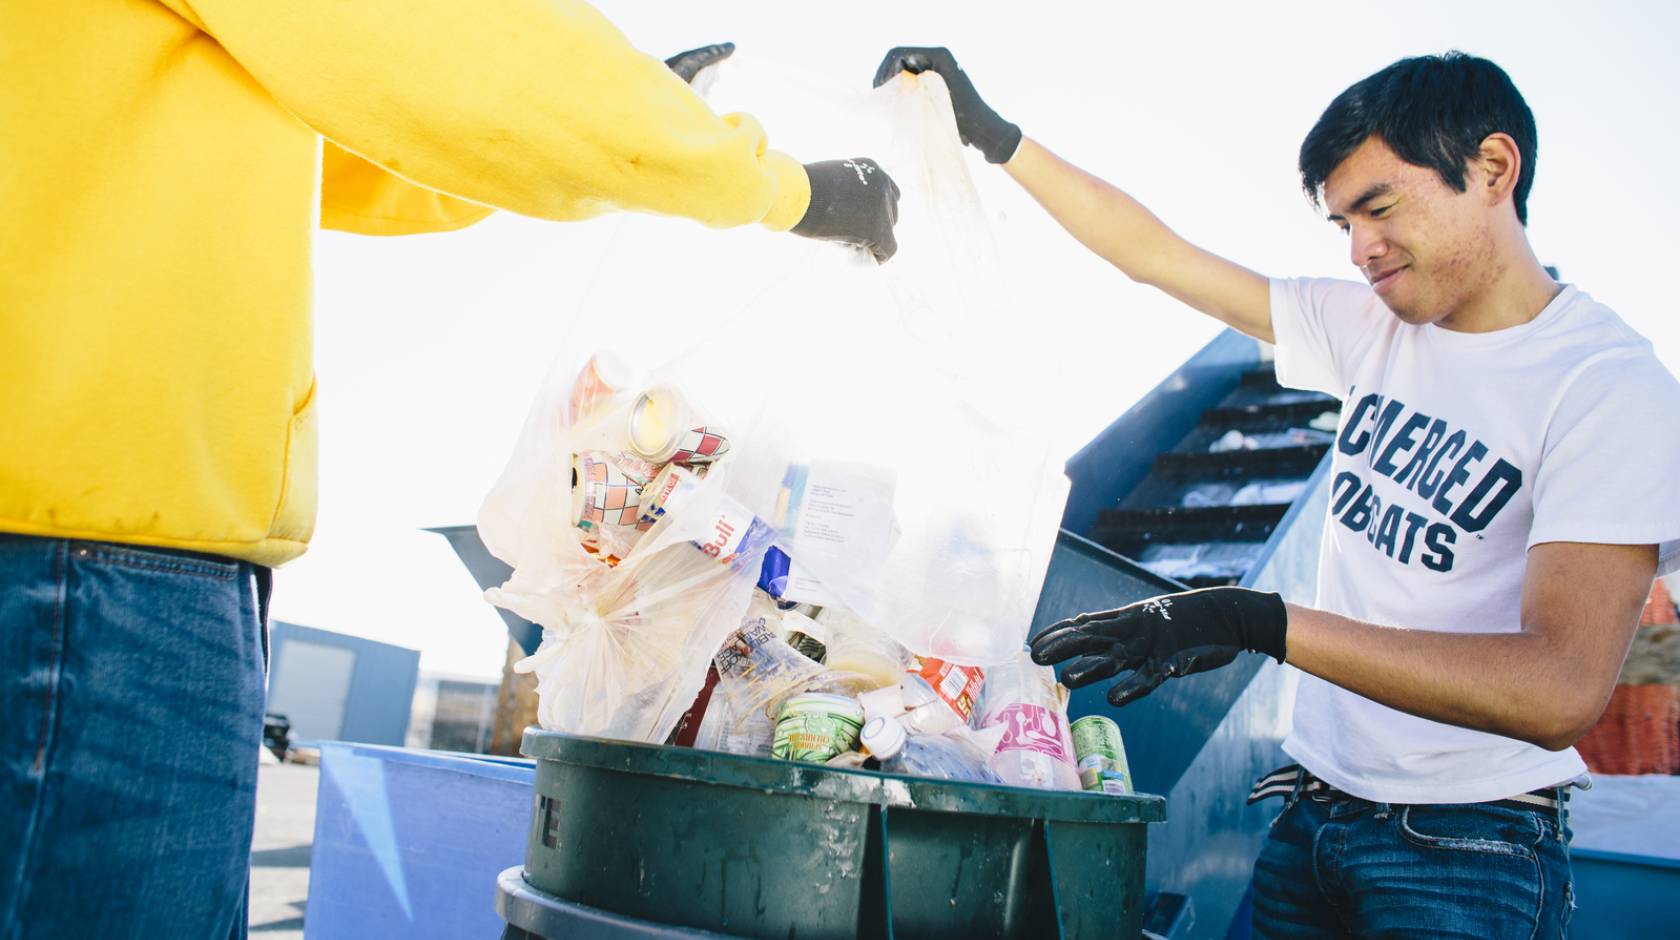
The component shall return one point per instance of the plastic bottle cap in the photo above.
(884, 737)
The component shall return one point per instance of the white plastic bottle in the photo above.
(944, 757)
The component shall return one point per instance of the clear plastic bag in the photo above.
(625, 658)
(624, 648)
(925, 498)
(855, 646)
(895, 385)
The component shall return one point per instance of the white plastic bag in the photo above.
(899, 377)
(873, 415)
(624, 648)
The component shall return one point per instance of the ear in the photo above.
(1500, 163)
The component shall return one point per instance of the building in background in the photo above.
(335, 687)
(453, 713)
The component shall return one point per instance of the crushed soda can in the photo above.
(700, 445)
(603, 493)
(670, 488)
(734, 533)
(663, 430)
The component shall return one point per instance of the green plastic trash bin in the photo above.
(752, 847)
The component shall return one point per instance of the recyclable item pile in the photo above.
(683, 617)
(811, 497)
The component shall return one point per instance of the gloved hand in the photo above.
(1166, 636)
(978, 125)
(688, 64)
(853, 202)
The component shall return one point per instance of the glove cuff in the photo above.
(1268, 625)
(1003, 143)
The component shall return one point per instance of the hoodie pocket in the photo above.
(294, 518)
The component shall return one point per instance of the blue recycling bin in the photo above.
(409, 843)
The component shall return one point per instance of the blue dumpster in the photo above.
(409, 843)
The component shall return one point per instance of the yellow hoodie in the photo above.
(160, 165)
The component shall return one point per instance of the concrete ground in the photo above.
(280, 850)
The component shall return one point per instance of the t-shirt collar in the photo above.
(1548, 314)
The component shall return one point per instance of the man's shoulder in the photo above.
(1586, 319)
(1606, 351)
(1330, 292)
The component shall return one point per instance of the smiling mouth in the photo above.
(1387, 277)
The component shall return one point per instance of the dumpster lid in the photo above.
(715, 768)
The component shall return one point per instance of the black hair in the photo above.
(1433, 111)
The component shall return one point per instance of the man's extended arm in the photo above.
(541, 107)
(1125, 234)
(1101, 216)
(1545, 684)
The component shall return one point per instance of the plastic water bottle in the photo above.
(943, 757)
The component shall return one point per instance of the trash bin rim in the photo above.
(854, 786)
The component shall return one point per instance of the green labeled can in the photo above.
(816, 727)
(1101, 755)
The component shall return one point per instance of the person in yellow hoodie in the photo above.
(163, 173)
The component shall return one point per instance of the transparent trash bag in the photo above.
(624, 647)
(897, 445)
(878, 425)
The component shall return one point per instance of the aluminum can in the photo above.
(1102, 755)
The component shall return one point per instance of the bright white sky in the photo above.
(429, 349)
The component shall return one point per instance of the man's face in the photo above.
(1424, 247)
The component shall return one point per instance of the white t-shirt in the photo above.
(1457, 452)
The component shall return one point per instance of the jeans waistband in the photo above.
(1295, 780)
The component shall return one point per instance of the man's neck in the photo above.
(1515, 295)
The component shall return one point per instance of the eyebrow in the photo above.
(1378, 190)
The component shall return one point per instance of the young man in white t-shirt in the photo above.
(1506, 484)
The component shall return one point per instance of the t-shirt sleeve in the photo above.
(1321, 326)
(1610, 469)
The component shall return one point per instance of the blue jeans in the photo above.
(131, 710)
(1339, 866)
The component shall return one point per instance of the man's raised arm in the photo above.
(1101, 216)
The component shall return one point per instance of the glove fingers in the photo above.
(1080, 619)
(1200, 659)
(1135, 686)
(891, 66)
(902, 59)
(688, 63)
(1054, 646)
(884, 247)
(1088, 669)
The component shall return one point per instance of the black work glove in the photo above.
(978, 125)
(1166, 636)
(688, 64)
(853, 202)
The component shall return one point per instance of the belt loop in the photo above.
(1300, 781)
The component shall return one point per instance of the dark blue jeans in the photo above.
(1339, 866)
(131, 704)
